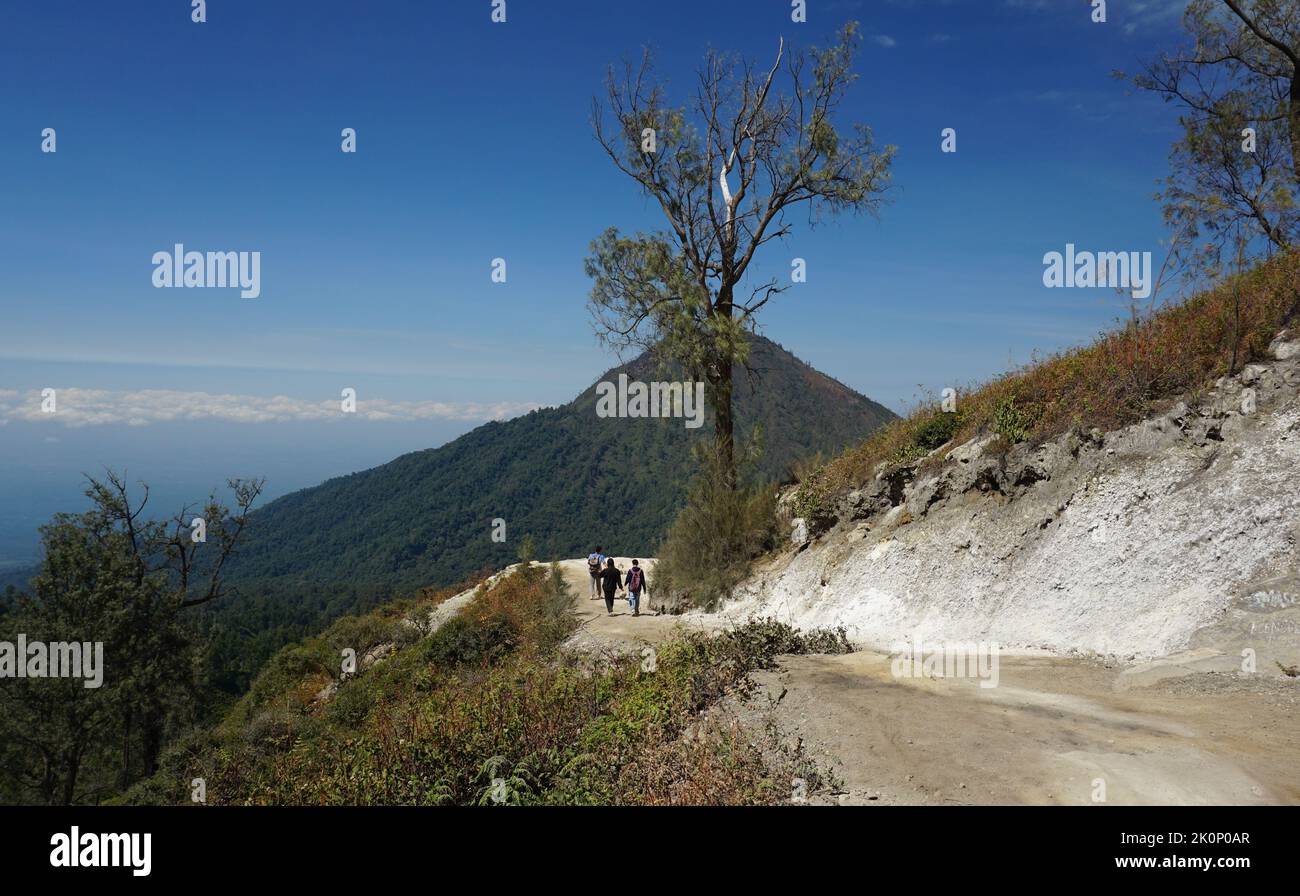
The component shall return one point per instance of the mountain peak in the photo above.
(565, 476)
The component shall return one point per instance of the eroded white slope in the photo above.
(1131, 543)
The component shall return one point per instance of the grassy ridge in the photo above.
(1121, 378)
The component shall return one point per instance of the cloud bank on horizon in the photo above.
(76, 407)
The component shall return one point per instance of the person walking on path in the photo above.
(636, 583)
(611, 580)
(594, 562)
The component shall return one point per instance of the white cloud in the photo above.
(97, 407)
(884, 40)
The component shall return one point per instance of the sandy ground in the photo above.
(1047, 734)
(1183, 730)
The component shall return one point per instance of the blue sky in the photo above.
(474, 143)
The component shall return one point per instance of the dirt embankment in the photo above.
(1123, 544)
(1149, 580)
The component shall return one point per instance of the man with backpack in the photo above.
(636, 583)
(594, 563)
(611, 580)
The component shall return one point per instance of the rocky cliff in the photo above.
(1180, 532)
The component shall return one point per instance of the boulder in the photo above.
(799, 531)
(1285, 346)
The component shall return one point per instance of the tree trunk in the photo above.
(724, 424)
(1293, 120)
(72, 767)
(124, 776)
(152, 737)
(49, 780)
(723, 368)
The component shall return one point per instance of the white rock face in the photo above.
(1125, 550)
(1286, 346)
(799, 531)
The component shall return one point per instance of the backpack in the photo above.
(593, 564)
(634, 579)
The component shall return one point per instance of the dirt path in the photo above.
(1182, 731)
(1049, 731)
(621, 631)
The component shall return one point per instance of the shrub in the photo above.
(810, 497)
(352, 702)
(935, 431)
(708, 549)
(463, 641)
(763, 640)
(1010, 422)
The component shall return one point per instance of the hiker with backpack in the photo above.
(594, 563)
(611, 580)
(636, 583)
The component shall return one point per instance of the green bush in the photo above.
(936, 431)
(462, 641)
(1010, 422)
(352, 702)
(810, 497)
(761, 641)
(710, 545)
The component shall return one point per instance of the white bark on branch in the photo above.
(728, 200)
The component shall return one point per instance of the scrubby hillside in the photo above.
(470, 698)
(1116, 499)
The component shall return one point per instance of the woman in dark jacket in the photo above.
(611, 580)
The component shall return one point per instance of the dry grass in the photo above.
(1123, 377)
(431, 597)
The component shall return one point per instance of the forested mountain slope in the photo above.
(562, 475)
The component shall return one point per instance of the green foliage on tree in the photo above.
(110, 576)
(1240, 70)
(726, 169)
